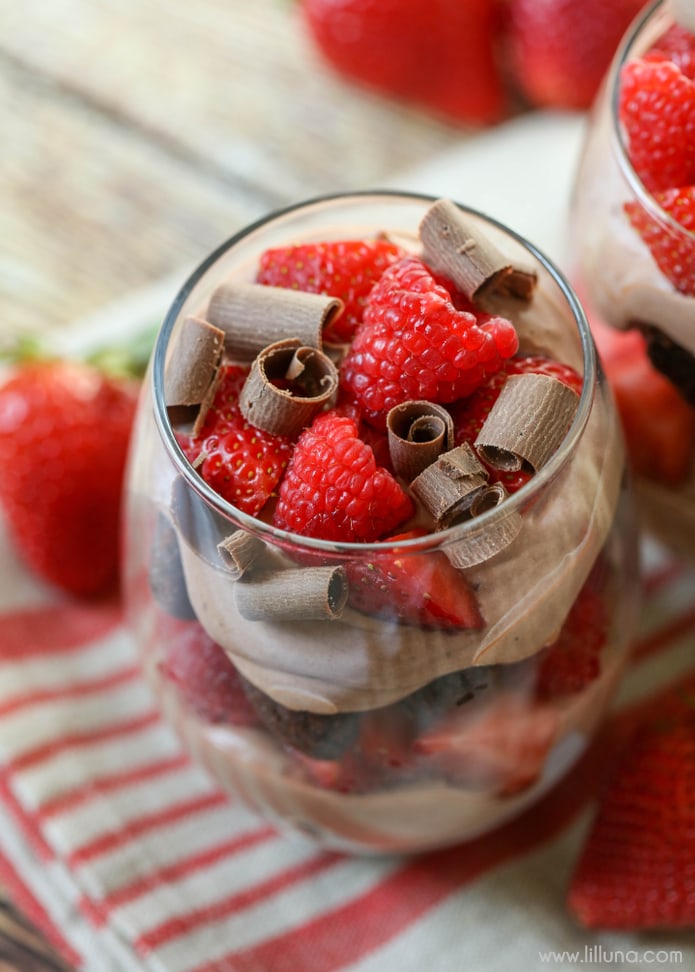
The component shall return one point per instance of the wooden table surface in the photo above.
(137, 135)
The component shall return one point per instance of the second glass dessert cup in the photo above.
(635, 252)
(408, 693)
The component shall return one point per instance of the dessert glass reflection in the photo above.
(420, 686)
(633, 235)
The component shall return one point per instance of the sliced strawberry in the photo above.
(503, 744)
(240, 462)
(347, 269)
(206, 678)
(659, 425)
(573, 660)
(421, 589)
(673, 250)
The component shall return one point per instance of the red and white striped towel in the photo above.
(129, 857)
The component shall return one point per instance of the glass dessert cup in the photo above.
(636, 270)
(367, 730)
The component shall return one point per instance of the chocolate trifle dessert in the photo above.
(381, 559)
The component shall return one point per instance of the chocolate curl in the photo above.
(418, 432)
(454, 246)
(527, 423)
(298, 594)
(240, 551)
(191, 369)
(253, 316)
(684, 13)
(485, 544)
(283, 411)
(448, 486)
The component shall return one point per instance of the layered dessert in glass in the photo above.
(633, 231)
(380, 553)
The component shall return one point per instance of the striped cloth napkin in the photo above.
(129, 857)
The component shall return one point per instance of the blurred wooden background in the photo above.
(136, 136)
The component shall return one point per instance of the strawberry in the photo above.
(347, 269)
(64, 434)
(502, 744)
(470, 413)
(414, 343)
(573, 660)
(437, 53)
(421, 589)
(206, 678)
(672, 249)
(659, 425)
(333, 488)
(657, 110)
(560, 49)
(637, 867)
(240, 462)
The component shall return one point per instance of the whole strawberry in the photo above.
(637, 869)
(437, 53)
(560, 49)
(64, 434)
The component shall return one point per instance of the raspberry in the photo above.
(206, 678)
(673, 251)
(333, 488)
(241, 463)
(347, 269)
(415, 344)
(677, 44)
(657, 108)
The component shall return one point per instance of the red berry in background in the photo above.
(64, 434)
(441, 54)
(560, 49)
(637, 868)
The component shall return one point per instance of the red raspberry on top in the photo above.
(657, 109)
(347, 269)
(677, 44)
(334, 490)
(240, 462)
(414, 343)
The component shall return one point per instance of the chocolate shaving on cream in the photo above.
(240, 551)
(448, 486)
(454, 246)
(296, 594)
(191, 369)
(310, 379)
(253, 316)
(481, 545)
(418, 432)
(527, 423)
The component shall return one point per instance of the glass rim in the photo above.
(623, 54)
(455, 533)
